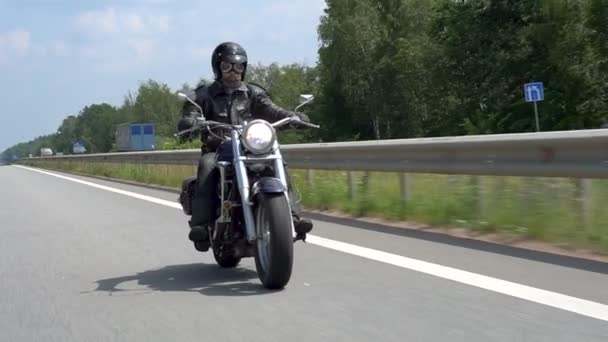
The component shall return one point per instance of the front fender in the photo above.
(268, 185)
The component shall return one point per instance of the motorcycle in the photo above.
(254, 213)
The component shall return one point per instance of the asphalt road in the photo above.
(79, 263)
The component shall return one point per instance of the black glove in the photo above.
(303, 117)
(185, 123)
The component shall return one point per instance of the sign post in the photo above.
(534, 92)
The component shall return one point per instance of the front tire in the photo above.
(274, 247)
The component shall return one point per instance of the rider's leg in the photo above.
(204, 202)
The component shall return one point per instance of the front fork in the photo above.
(245, 187)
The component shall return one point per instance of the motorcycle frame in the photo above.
(240, 169)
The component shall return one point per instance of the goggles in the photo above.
(237, 67)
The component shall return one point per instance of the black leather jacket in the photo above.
(246, 103)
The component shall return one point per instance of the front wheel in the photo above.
(274, 247)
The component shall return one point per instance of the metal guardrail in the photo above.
(576, 154)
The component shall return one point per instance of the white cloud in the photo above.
(14, 43)
(134, 23)
(118, 56)
(200, 52)
(111, 21)
(116, 38)
(140, 36)
(144, 49)
(20, 41)
(161, 22)
(98, 21)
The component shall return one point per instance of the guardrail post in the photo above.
(480, 201)
(584, 192)
(404, 181)
(351, 185)
(526, 200)
(309, 178)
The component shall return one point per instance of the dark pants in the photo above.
(206, 198)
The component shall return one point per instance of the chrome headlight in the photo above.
(259, 137)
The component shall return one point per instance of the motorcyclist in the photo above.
(228, 99)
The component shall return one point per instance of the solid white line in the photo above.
(553, 299)
(107, 188)
(557, 300)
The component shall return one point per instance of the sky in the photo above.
(58, 56)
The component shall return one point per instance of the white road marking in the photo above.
(554, 299)
(107, 188)
(549, 298)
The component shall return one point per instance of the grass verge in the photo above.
(550, 210)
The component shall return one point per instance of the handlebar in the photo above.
(202, 123)
(291, 119)
(309, 124)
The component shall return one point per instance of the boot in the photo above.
(199, 235)
(302, 226)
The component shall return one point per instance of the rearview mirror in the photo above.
(183, 97)
(304, 99)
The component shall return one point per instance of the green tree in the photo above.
(350, 35)
(595, 64)
(95, 127)
(156, 102)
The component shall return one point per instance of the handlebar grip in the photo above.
(309, 124)
(189, 130)
(210, 122)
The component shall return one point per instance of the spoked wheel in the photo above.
(274, 247)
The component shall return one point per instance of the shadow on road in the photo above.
(209, 280)
(546, 257)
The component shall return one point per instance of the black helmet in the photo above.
(228, 52)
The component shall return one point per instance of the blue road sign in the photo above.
(534, 92)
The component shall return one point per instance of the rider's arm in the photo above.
(189, 110)
(262, 106)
